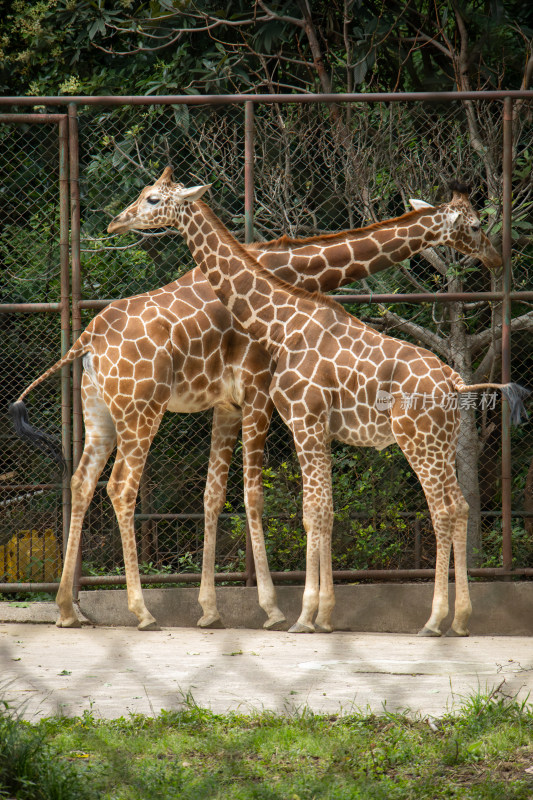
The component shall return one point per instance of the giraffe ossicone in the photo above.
(178, 349)
(331, 369)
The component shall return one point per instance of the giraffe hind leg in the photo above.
(100, 437)
(463, 606)
(224, 432)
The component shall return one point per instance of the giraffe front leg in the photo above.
(326, 600)
(310, 599)
(224, 432)
(100, 439)
(256, 422)
(315, 462)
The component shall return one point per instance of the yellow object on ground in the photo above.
(31, 556)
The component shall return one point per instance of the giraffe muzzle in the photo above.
(118, 225)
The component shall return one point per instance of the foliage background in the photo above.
(319, 168)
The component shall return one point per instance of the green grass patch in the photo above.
(481, 752)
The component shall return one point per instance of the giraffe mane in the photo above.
(256, 267)
(286, 242)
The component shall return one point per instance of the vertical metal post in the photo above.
(65, 320)
(77, 428)
(77, 420)
(248, 172)
(418, 544)
(249, 237)
(507, 552)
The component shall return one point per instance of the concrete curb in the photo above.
(500, 609)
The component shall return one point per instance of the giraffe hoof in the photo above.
(429, 633)
(323, 628)
(299, 627)
(211, 621)
(72, 622)
(275, 624)
(148, 626)
(452, 633)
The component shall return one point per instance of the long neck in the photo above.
(322, 263)
(262, 303)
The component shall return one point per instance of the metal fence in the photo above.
(279, 164)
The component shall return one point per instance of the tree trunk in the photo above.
(467, 460)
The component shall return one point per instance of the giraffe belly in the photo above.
(188, 399)
(373, 431)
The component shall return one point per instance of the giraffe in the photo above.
(337, 378)
(183, 344)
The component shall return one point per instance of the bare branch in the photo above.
(479, 340)
(283, 17)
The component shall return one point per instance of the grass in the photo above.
(480, 752)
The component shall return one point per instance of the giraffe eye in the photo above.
(152, 200)
(476, 226)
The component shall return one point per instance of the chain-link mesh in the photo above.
(313, 173)
(30, 515)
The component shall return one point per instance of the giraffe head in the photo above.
(156, 205)
(458, 225)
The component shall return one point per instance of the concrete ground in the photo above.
(118, 671)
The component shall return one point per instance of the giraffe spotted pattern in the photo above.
(330, 368)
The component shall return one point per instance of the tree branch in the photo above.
(479, 340)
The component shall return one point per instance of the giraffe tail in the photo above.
(514, 393)
(19, 414)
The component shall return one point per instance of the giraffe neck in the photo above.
(263, 303)
(327, 262)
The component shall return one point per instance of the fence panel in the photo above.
(313, 174)
(34, 496)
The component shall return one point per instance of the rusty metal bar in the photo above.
(77, 418)
(29, 308)
(418, 542)
(438, 297)
(95, 304)
(249, 237)
(65, 319)
(415, 297)
(295, 576)
(31, 119)
(184, 577)
(507, 545)
(248, 172)
(232, 99)
(77, 437)
(28, 487)
(29, 587)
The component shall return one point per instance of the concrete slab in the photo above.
(498, 608)
(118, 671)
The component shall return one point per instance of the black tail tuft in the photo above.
(38, 438)
(515, 395)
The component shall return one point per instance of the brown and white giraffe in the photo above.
(336, 378)
(179, 349)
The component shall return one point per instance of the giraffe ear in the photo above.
(194, 192)
(418, 205)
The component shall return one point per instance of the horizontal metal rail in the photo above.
(367, 299)
(232, 99)
(281, 577)
(32, 118)
(29, 308)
